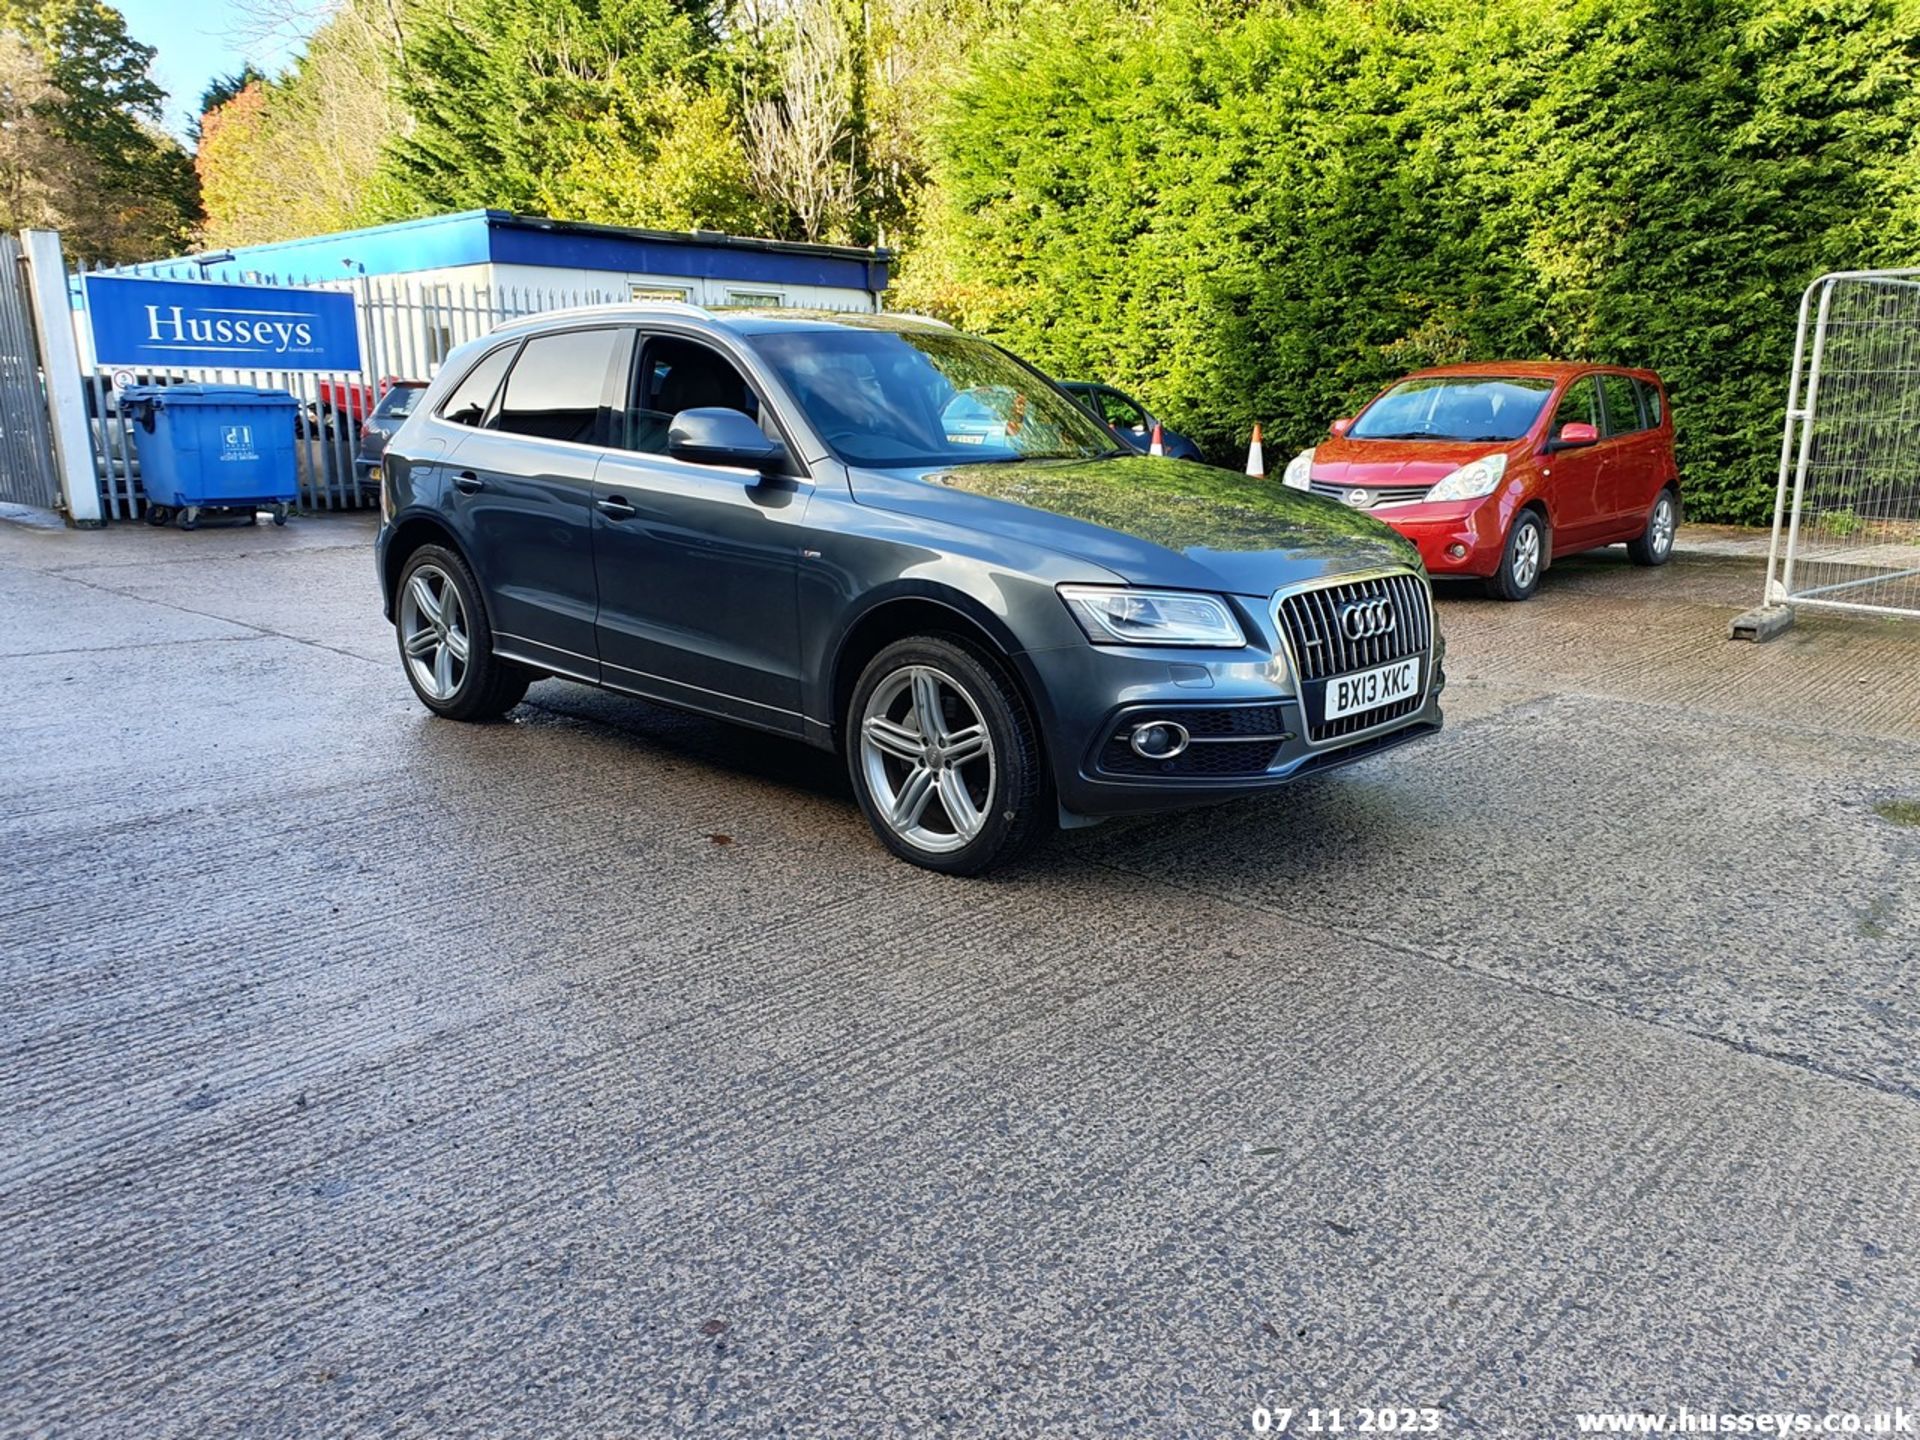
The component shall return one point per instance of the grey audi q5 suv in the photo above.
(877, 535)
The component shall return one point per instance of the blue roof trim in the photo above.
(586, 249)
(397, 249)
(474, 237)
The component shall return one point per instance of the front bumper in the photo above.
(1454, 537)
(1248, 722)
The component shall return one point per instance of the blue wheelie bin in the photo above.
(213, 448)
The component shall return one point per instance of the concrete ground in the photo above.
(596, 1073)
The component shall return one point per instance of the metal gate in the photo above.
(1846, 524)
(27, 474)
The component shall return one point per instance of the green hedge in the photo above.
(1264, 214)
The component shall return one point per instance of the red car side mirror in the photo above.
(1572, 435)
(1341, 426)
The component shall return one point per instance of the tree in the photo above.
(1264, 214)
(220, 90)
(694, 176)
(35, 162)
(301, 154)
(506, 94)
(802, 136)
(141, 199)
(242, 203)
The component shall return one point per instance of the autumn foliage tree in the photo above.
(125, 189)
(240, 200)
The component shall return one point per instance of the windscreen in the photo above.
(910, 398)
(1456, 407)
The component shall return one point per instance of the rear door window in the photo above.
(1649, 402)
(558, 386)
(468, 403)
(1622, 402)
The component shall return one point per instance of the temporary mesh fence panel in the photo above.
(1847, 520)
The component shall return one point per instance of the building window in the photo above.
(645, 293)
(763, 299)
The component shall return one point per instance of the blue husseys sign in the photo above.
(194, 324)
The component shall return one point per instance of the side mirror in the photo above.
(1573, 435)
(1341, 426)
(715, 435)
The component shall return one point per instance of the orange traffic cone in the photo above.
(1155, 445)
(1256, 457)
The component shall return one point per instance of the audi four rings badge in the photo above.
(1368, 619)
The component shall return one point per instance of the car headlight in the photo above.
(1471, 480)
(1299, 472)
(1120, 615)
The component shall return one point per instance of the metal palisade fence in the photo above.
(1847, 516)
(26, 442)
(408, 328)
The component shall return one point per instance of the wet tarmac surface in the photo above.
(597, 1074)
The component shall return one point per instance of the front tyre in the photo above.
(1522, 560)
(446, 645)
(944, 757)
(1655, 545)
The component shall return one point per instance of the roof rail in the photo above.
(609, 307)
(915, 315)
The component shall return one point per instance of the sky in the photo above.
(199, 39)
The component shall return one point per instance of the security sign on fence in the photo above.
(202, 325)
(1846, 529)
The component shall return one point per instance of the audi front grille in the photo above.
(1322, 648)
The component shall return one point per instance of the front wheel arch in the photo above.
(921, 610)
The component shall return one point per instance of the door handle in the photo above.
(466, 482)
(614, 508)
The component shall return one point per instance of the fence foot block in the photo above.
(1761, 624)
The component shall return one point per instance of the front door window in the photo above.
(1579, 406)
(675, 375)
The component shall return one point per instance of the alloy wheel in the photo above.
(433, 632)
(1526, 556)
(1662, 527)
(928, 758)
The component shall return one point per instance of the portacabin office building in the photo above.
(482, 250)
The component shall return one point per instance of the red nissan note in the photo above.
(1492, 470)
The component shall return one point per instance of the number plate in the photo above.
(1370, 689)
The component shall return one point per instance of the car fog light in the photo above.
(1457, 551)
(1158, 740)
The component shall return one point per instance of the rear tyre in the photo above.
(1522, 560)
(1655, 545)
(946, 761)
(446, 644)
